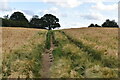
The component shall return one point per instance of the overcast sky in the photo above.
(71, 13)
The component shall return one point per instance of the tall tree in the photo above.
(19, 20)
(50, 21)
(18, 16)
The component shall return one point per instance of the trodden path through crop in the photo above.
(47, 60)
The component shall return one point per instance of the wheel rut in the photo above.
(47, 60)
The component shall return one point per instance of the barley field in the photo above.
(77, 53)
(13, 38)
(20, 50)
(102, 39)
(86, 53)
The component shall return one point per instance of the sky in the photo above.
(71, 13)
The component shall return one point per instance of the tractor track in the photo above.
(47, 60)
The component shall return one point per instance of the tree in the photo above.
(96, 25)
(35, 22)
(57, 25)
(109, 23)
(50, 21)
(91, 25)
(19, 18)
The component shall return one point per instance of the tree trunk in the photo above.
(49, 28)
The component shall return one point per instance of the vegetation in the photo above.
(17, 19)
(35, 22)
(18, 16)
(78, 53)
(94, 25)
(79, 60)
(108, 23)
(25, 61)
(103, 39)
(50, 21)
(48, 39)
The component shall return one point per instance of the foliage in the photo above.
(109, 23)
(11, 23)
(91, 25)
(35, 22)
(50, 21)
(17, 19)
(94, 25)
(18, 16)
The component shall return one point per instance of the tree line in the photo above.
(107, 23)
(48, 21)
(18, 19)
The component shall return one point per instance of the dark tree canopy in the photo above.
(18, 16)
(17, 19)
(96, 25)
(91, 25)
(109, 23)
(11, 23)
(50, 21)
(35, 22)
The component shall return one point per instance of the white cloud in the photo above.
(28, 12)
(100, 0)
(52, 10)
(101, 6)
(76, 3)
(77, 25)
(62, 0)
(93, 16)
(64, 3)
(4, 6)
(66, 24)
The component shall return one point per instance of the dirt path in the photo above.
(47, 60)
